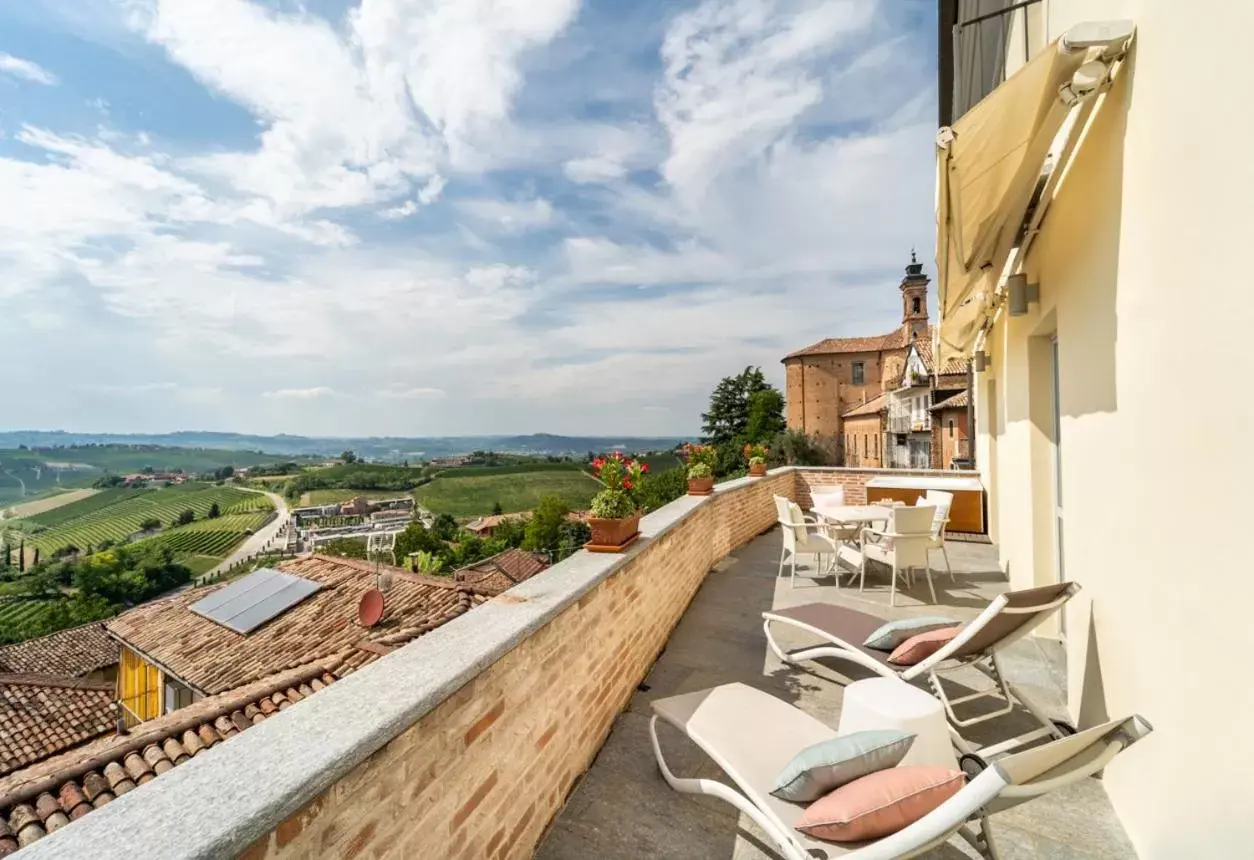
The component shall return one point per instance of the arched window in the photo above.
(914, 305)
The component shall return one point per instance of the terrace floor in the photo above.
(623, 809)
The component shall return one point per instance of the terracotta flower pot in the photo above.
(612, 535)
(757, 470)
(700, 486)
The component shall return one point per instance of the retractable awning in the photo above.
(992, 165)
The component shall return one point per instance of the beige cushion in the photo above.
(924, 645)
(880, 803)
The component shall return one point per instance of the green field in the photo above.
(27, 474)
(15, 612)
(216, 537)
(326, 497)
(116, 514)
(474, 495)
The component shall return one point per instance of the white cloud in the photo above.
(508, 216)
(406, 209)
(343, 112)
(430, 192)
(300, 393)
(26, 70)
(418, 393)
(738, 75)
(597, 168)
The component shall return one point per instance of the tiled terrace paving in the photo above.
(623, 809)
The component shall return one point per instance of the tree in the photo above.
(794, 448)
(417, 538)
(214, 511)
(766, 415)
(185, 518)
(427, 562)
(150, 525)
(544, 529)
(497, 510)
(444, 527)
(348, 456)
(728, 418)
(345, 547)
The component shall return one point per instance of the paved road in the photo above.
(258, 541)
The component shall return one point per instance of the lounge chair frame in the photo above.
(951, 658)
(1014, 780)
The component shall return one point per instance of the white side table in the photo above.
(887, 703)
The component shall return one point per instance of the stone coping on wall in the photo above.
(218, 804)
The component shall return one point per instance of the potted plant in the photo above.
(614, 515)
(701, 460)
(755, 453)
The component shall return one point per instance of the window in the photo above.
(951, 428)
(859, 373)
(914, 305)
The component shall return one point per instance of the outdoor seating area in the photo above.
(686, 770)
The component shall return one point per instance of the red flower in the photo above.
(644, 467)
(626, 484)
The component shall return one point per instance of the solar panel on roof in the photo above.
(245, 605)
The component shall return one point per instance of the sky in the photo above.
(446, 217)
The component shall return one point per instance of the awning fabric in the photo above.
(988, 165)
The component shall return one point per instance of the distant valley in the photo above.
(380, 448)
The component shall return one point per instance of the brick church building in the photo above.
(842, 390)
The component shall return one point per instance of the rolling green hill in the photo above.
(474, 495)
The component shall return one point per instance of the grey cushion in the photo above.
(890, 635)
(827, 765)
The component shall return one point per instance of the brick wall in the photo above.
(483, 773)
(853, 480)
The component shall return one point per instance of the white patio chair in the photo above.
(752, 735)
(903, 546)
(799, 539)
(942, 501)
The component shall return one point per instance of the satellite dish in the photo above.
(370, 609)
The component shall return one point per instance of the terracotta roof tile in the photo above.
(958, 401)
(41, 715)
(92, 775)
(895, 339)
(493, 575)
(213, 659)
(874, 406)
(70, 653)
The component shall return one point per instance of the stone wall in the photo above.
(483, 773)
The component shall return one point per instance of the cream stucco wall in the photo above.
(1143, 265)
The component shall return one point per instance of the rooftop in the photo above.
(213, 659)
(895, 339)
(40, 715)
(874, 406)
(502, 571)
(74, 652)
(958, 401)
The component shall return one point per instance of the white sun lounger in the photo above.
(751, 735)
(1008, 618)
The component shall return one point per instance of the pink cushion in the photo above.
(918, 648)
(880, 803)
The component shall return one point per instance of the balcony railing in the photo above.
(909, 422)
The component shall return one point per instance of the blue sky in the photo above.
(431, 217)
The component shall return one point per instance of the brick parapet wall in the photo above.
(483, 773)
(854, 480)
